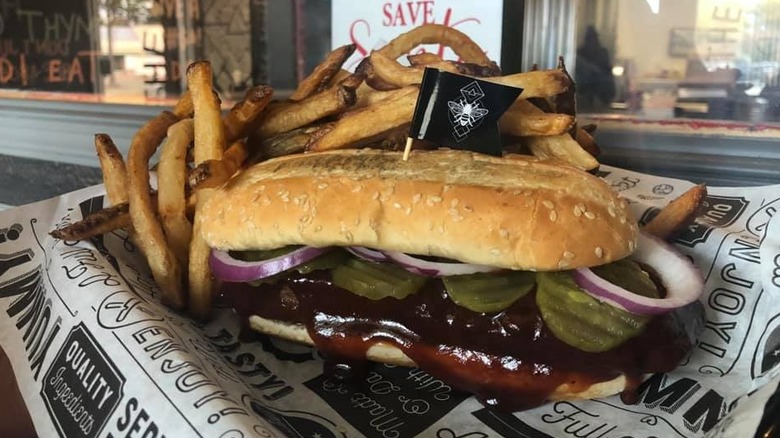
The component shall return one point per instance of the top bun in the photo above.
(516, 212)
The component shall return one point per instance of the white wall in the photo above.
(643, 37)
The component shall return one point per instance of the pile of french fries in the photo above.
(330, 109)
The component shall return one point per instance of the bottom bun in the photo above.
(390, 354)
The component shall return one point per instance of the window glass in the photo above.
(709, 59)
(134, 51)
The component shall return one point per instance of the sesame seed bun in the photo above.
(516, 212)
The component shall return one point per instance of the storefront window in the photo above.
(131, 51)
(707, 59)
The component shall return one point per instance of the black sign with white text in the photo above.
(82, 387)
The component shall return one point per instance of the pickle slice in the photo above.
(628, 275)
(488, 292)
(376, 280)
(580, 320)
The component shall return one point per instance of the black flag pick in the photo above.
(461, 112)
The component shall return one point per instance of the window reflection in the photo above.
(129, 51)
(712, 59)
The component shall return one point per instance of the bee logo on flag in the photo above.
(466, 113)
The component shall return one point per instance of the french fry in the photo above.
(366, 123)
(283, 118)
(563, 148)
(565, 102)
(214, 173)
(162, 262)
(95, 224)
(423, 59)
(113, 168)
(201, 282)
(171, 199)
(586, 140)
(324, 72)
(590, 128)
(337, 78)
(209, 131)
(245, 115)
(517, 122)
(678, 214)
(367, 96)
(543, 83)
(395, 140)
(460, 43)
(292, 142)
(386, 73)
(209, 144)
(183, 108)
(353, 80)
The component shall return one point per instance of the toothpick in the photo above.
(408, 148)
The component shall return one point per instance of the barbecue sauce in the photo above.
(510, 360)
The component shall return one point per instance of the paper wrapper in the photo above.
(95, 354)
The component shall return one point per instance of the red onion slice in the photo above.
(227, 268)
(683, 281)
(371, 255)
(428, 268)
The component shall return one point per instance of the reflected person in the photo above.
(595, 83)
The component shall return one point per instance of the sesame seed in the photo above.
(322, 186)
(599, 252)
(396, 205)
(553, 215)
(568, 255)
(504, 233)
(283, 193)
(356, 189)
(516, 192)
(416, 198)
(590, 215)
(376, 196)
(631, 245)
(548, 204)
(622, 219)
(454, 203)
(563, 264)
(577, 211)
(611, 210)
(408, 210)
(468, 208)
(457, 218)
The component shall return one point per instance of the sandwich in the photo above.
(516, 279)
